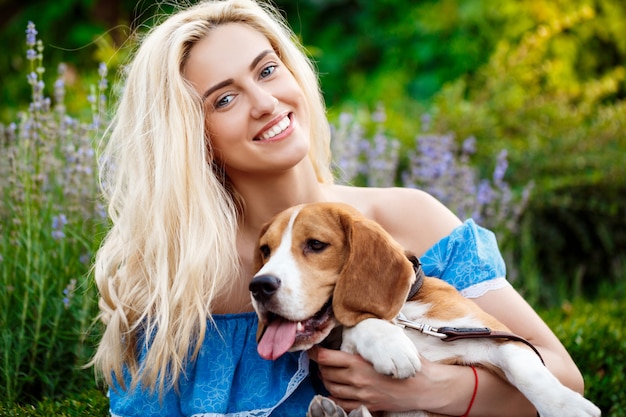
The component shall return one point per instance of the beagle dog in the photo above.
(324, 265)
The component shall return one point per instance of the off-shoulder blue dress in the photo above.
(230, 379)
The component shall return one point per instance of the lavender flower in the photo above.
(68, 293)
(58, 224)
(85, 259)
(436, 164)
(501, 167)
(31, 34)
(102, 72)
(469, 146)
(48, 185)
(31, 55)
(347, 147)
(32, 78)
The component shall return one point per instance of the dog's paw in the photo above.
(385, 345)
(568, 403)
(324, 407)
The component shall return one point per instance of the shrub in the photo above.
(51, 225)
(594, 335)
(562, 119)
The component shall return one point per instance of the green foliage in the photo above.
(534, 96)
(89, 403)
(51, 226)
(371, 51)
(76, 32)
(594, 335)
(572, 243)
(561, 113)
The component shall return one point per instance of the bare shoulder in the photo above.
(414, 218)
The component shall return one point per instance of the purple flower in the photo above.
(469, 146)
(485, 194)
(31, 34)
(32, 78)
(57, 234)
(501, 166)
(102, 70)
(58, 223)
(69, 293)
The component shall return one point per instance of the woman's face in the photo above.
(256, 113)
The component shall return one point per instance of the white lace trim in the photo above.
(481, 288)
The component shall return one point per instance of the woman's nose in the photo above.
(263, 102)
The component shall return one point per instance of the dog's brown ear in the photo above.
(376, 277)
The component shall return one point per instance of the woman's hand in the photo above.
(437, 388)
(353, 381)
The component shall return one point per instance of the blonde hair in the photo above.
(172, 245)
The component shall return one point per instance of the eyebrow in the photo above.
(229, 81)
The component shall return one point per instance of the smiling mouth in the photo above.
(275, 130)
(279, 335)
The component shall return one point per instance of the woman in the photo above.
(220, 126)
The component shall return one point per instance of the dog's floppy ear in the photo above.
(376, 276)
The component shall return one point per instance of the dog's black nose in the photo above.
(264, 286)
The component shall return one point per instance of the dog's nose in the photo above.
(264, 286)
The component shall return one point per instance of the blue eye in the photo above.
(224, 101)
(267, 71)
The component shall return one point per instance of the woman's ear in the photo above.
(376, 276)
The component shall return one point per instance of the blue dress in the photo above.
(230, 379)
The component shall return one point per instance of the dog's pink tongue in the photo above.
(277, 339)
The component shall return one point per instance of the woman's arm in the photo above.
(442, 389)
(508, 306)
(447, 389)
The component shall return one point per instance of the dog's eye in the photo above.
(314, 245)
(265, 251)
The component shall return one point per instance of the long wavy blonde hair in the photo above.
(172, 245)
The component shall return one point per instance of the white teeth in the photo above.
(276, 129)
(299, 326)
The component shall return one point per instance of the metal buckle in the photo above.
(420, 327)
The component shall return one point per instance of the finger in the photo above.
(345, 396)
(335, 358)
(347, 405)
(329, 357)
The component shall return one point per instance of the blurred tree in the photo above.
(387, 50)
(73, 31)
(556, 100)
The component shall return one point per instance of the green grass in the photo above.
(92, 403)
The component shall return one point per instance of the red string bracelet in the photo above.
(475, 391)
